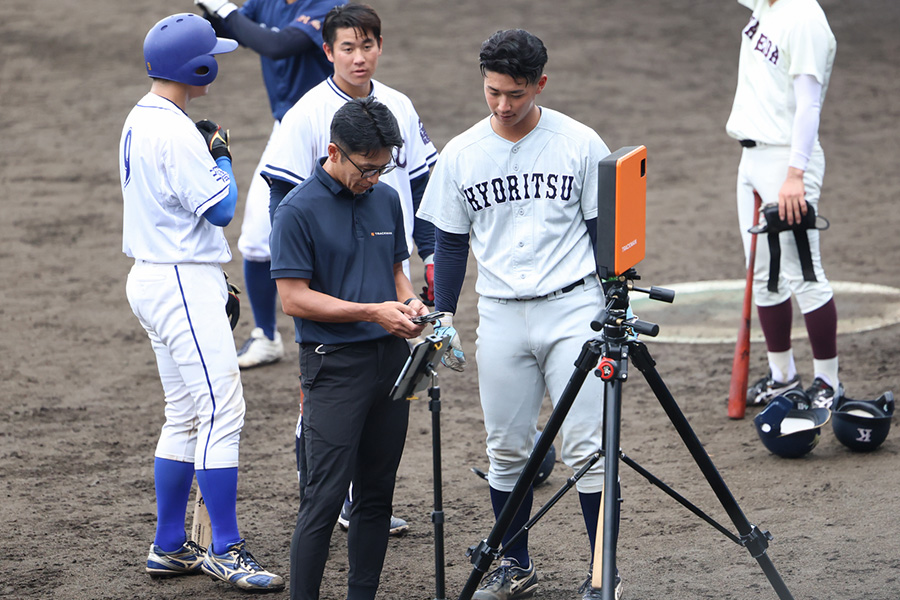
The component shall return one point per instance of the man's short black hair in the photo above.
(365, 126)
(514, 52)
(360, 17)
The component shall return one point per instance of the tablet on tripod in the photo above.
(622, 210)
(413, 378)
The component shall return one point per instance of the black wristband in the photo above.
(408, 300)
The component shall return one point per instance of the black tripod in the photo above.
(609, 353)
(417, 374)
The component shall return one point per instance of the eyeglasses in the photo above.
(365, 174)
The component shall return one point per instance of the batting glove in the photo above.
(427, 294)
(233, 303)
(220, 8)
(216, 139)
(453, 358)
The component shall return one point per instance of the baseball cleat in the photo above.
(822, 395)
(509, 581)
(591, 593)
(398, 528)
(260, 350)
(238, 567)
(766, 388)
(184, 561)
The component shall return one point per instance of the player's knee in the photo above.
(764, 297)
(812, 295)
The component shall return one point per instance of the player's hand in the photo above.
(453, 358)
(396, 317)
(216, 139)
(427, 294)
(791, 205)
(220, 8)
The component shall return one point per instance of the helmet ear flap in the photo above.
(201, 70)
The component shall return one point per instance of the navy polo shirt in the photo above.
(345, 244)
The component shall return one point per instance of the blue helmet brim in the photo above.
(224, 45)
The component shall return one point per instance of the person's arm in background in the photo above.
(808, 93)
(423, 236)
(229, 21)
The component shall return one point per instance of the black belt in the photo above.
(748, 143)
(564, 290)
(571, 286)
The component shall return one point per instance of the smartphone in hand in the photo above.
(429, 318)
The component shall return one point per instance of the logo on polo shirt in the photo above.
(374, 233)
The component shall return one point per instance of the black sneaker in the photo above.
(509, 581)
(399, 526)
(766, 388)
(822, 395)
(591, 593)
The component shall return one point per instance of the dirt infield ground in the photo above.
(81, 404)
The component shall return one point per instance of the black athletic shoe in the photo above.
(509, 581)
(822, 395)
(591, 593)
(766, 389)
(399, 526)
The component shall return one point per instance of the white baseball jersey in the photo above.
(169, 179)
(525, 203)
(781, 41)
(305, 132)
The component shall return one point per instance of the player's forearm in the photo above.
(451, 253)
(271, 43)
(222, 212)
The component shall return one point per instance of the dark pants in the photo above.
(352, 430)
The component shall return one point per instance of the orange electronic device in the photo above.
(622, 214)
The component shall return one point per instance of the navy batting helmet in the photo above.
(787, 431)
(863, 425)
(182, 47)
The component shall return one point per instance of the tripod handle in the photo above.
(657, 293)
(644, 327)
(662, 294)
(600, 320)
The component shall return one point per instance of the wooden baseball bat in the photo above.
(597, 570)
(201, 530)
(737, 393)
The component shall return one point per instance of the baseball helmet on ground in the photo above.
(862, 425)
(788, 431)
(182, 47)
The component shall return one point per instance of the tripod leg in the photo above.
(603, 575)
(483, 553)
(437, 517)
(754, 539)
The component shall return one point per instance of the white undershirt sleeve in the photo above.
(808, 92)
